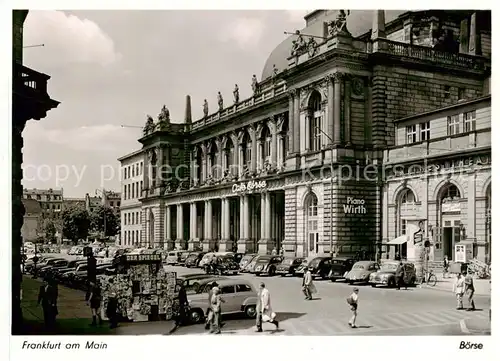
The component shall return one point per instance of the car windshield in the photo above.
(288, 261)
(247, 258)
(227, 259)
(192, 256)
(337, 261)
(389, 267)
(360, 266)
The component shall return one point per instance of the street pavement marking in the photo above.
(463, 327)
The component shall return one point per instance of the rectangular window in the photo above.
(141, 189)
(248, 155)
(425, 131)
(267, 148)
(124, 173)
(470, 121)
(403, 226)
(453, 124)
(133, 171)
(128, 190)
(316, 133)
(411, 134)
(125, 218)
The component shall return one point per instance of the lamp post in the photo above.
(331, 190)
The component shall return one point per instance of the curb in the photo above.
(450, 290)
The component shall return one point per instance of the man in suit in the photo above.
(47, 297)
(400, 272)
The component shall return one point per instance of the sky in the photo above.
(112, 68)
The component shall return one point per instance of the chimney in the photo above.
(187, 116)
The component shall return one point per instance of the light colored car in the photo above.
(386, 275)
(361, 271)
(210, 255)
(239, 296)
(173, 257)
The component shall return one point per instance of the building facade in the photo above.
(132, 170)
(299, 164)
(438, 182)
(51, 200)
(33, 219)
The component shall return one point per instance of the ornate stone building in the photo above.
(257, 174)
(30, 100)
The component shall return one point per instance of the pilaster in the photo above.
(338, 77)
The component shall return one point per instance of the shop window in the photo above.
(453, 124)
(470, 121)
(425, 131)
(411, 134)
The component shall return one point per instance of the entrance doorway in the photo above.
(450, 236)
(312, 220)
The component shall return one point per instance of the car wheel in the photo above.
(374, 285)
(257, 274)
(283, 275)
(272, 271)
(412, 282)
(251, 311)
(350, 282)
(324, 276)
(196, 316)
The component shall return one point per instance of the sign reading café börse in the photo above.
(249, 187)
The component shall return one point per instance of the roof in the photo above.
(358, 23)
(31, 206)
(130, 155)
(42, 191)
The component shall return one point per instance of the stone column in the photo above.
(291, 123)
(168, 227)
(274, 142)
(204, 168)
(180, 227)
(296, 121)
(193, 219)
(263, 217)
(268, 216)
(225, 243)
(347, 110)
(280, 157)
(471, 206)
(220, 161)
(246, 221)
(145, 173)
(337, 97)
(307, 130)
(210, 226)
(260, 155)
(241, 159)
(330, 122)
(254, 150)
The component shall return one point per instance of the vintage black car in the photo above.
(193, 260)
(266, 265)
(340, 267)
(222, 265)
(289, 265)
(320, 267)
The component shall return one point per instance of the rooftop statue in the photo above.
(220, 101)
(255, 84)
(299, 45)
(163, 118)
(339, 25)
(149, 126)
(236, 94)
(205, 108)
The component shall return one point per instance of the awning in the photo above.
(397, 241)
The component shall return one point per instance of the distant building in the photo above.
(91, 203)
(132, 167)
(51, 200)
(32, 220)
(73, 202)
(112, 199)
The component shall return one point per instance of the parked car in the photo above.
(289, 265)
(320, 266)
(196, 283)
(361, 271)
(174, 257)
(222, 265)
(48, 271)
(72, 265)
(41, 268)
(80, 280)
(183, 256)
(208, 257)
(238, 256)
(386, 275)
(340, 267)
(239, 295)
(193, 260)
(266, 265)
(245, 261)
(68, 277)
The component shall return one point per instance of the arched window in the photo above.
(451, 228)
(230, 156)
(213, 158)
(406, 209)
(247, 150)
(266, 144)
(315, 121)
(450, 194)
(312, 219)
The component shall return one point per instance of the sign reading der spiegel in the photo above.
(249, 186)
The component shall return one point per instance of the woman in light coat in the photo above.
(265, 303)
(459, 289)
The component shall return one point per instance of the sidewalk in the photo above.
(74, 316)
(482, 286)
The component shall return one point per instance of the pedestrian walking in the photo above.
(265, 302)
(112, 305)
(400, 274)
(180, 317)
(352, 301)
(446, 266)
(94, 301)
(459, 289)
(258, 320)
(47, 297)
(216, 305)
(469, 291)
(282, 251)
(307, 284)
(209, 314)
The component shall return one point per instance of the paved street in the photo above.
(416, 311)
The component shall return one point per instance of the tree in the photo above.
(76, 223)
(105, 220)
(49, 228)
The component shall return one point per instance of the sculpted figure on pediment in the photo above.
(163, 119)
(339, 25)
(149, 126)
(255, 85)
